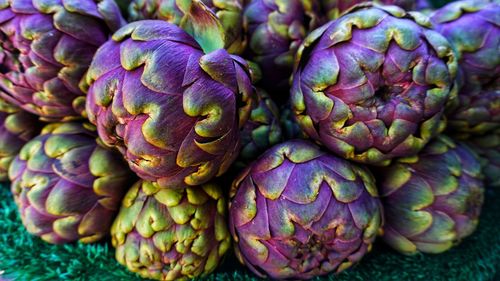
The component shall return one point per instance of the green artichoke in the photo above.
(275, 30)
(372, 85)
(477, 109)
(176, 11)
(290, 126)
(298, 212)
(16, 128)
(173, 111)
(262, 130)
(171, 234)
(432, 201)
(487, 147)
(67, 186)
(50, 45)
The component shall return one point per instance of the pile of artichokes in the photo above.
(338, 121)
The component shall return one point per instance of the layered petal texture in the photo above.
(275, 30)
(432, 201)
(487, 147)
(52, 44)
(262, 130)
(229, 12)
(473, 29)
(16, 128)
(298, 212)
(334, 8)
(174, 112)
(372, 85)
(171, 234)
(67, 186)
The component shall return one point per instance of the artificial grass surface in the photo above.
(25, 257)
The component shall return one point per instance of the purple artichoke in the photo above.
(67, 186)
(433, 200)
(334, 8)
(298, 212)
(487, 147)
(171, 234)
(16, 128)
(477, 109)
(174, 112)
(275, 31)
(262, 130)
(372, 85)
(52, 44)
(229, 12)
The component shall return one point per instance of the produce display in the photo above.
(246, 139)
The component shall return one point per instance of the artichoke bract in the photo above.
(275, 30)
(230, 13)
(432, 200)
(334, 8)
(262, 130)
(16, 128)
(298, 212)
(67, 186)
(53, 43)
(173, 111)
(290, 127)
(476, 111)
(372, 85)
(171, 234)
(487, 147)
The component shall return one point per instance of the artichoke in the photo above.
(16, 128)
(171, 234)
(262, 130)
(275, 30)
(333, 8)
(67, 186)
(298, 212)
(487, 147)
(477, 109)
(173, 111)
(433, 200)
(52, 44)
(372, 85)
(290, 126)
(230, 13)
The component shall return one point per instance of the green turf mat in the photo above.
(24, 257)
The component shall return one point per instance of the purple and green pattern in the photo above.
(229, 12)
(275, 30)
(16, 128)
(298, 212)
(476, 111)
(171, 234)
(173, 111)
(67, 186)
(433, 200)
(50, 45)
(335, 8)
(487, 147)
(262, 130)
(372, 85)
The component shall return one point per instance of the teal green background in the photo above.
(25, 257)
